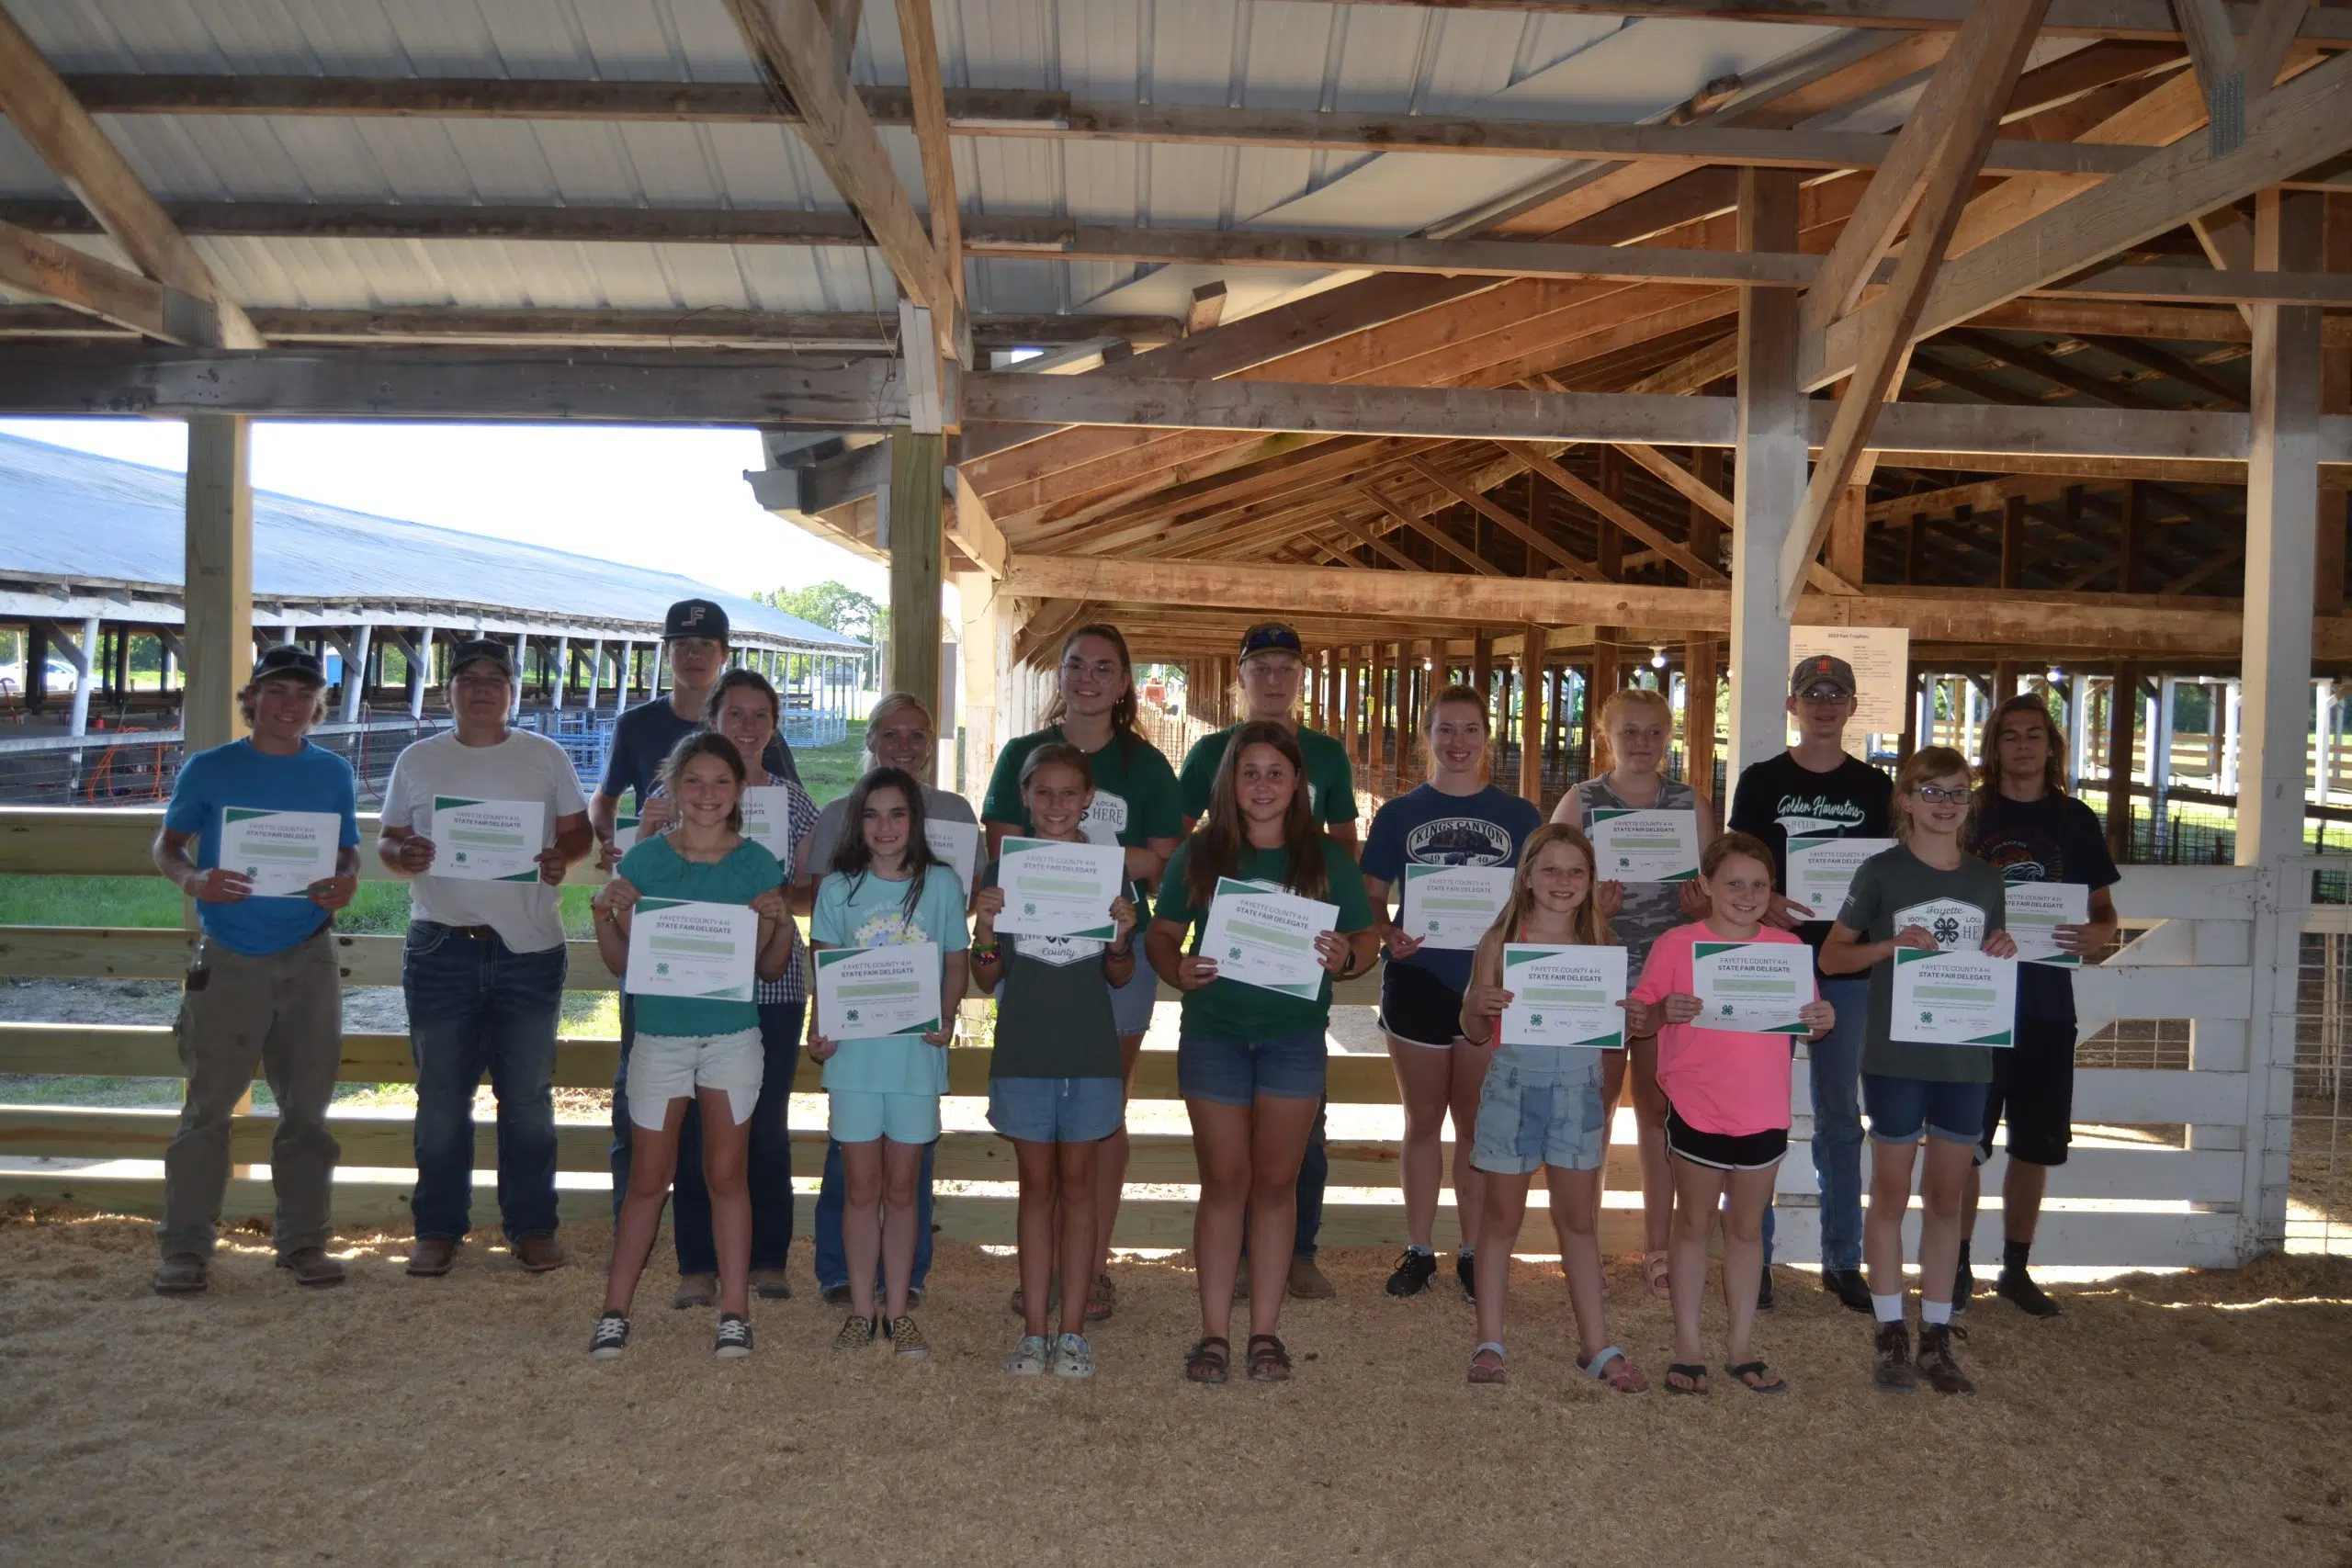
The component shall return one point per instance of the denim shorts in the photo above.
(855, 1117)
(1529, 1117)
(1056, 1111)
(1234, 1072)
(1131, 1004)
(1899, 1107)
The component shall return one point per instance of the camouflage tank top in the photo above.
(1652, 909)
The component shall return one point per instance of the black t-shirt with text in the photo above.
(1781, 796)
(2055, 839)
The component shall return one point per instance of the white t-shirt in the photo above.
(523, 766)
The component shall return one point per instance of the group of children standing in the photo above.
(1712, 1105)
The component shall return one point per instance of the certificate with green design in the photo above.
(1645, 845)
(1267, 939)
(281, 852)
(1755, 987)
(1953, 999)
(488, 840)
(863, 993)
(679, 947)
(1052, 889)
(1564, 996)
(1452, 906)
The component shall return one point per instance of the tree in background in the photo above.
(834, 607)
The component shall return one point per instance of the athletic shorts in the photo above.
(853, 1116)
(1131, 1004)
(1056, 1111)
(1235, 1072)
(2033, 1087)
(1725, 1151)
(1418, 1006)
(1900, 1109)
(663, 1067)
(1529, 1117)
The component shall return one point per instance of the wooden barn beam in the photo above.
(919, 40)
(1619, 514)
(1524, 533)
(1428, 530)
(98, 291)
(1768, 487)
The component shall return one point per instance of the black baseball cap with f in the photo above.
(694, 617)
(1270, 637)
(1819, 670)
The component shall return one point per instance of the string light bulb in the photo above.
(1657, 657)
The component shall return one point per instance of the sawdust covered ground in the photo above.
(2187, 1419)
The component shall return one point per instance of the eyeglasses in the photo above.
(1821, 695)
(1936, 796)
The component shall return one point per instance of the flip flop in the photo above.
(1757, 1368)
(1696, 1373)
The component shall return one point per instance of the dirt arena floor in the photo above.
(2174, 1420)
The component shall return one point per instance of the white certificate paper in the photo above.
(1753, 986)
(1821, 870)
(958, 843)
(624, 835)
(1267, 939)
(283, 853)
(1646, 845)
(863, 993)
(767, 820)
(1954, 999)
(1056, 889)
(2036, 911)
(679, 947)
(488, 840)
(1564, 996)
(1452, 906)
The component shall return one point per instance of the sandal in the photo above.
(1209, 1360)
(1654, 1265)
(1101, 1299)
(1752, 1374)
(1693, 1376)
(1269, 1362)
(1487, 1364)
(1626, 1378)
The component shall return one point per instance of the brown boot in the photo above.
(539, 1254)
(432, 1257)
(183, 1274)
(1936, 1363)
(695, 1290)
(1890, 1370)
(312, 1267)
(1307, 1281)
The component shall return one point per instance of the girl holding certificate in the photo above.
(1054, 1078)
(1540, 1105)
(886, 889)
(1926, 894)
(1638, 723)
(1448, 846)
(1250, 1059)
(1727, 1103)
(692, 1050)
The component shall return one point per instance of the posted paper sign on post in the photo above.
(767, 820)
(1564, 996)
(1452, 906)
(488, 840)
(281, 852)
(2036, 910)
(1267, 939)
(1645, 845)
(1056, 889)
(1881, 660)
(1753, 986)
(958, 843)
(1954, 999)
(866, 992)
(1821, 870)
(681, 947)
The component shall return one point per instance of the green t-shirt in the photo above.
(1230, 1009)
(1894, 889)
(1331, 776)
(657, 870)
(1135, 795)
(1053, 1007)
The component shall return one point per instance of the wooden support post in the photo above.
(220, 586)
(2122, 713)
(2004, 686)
(1608, 674)
(1608, 538)
(1915, 711)
(559, 676)
(1699, 677)
(1530, 714)
(2131, 544)
(1350, 705)
(917, 475)
(1392, 770)
(89, 668)
(1375, 713)
(355, 674)
(986, 663)
(2012, 542)
(1915, 549)
(1706, 526)
(1482, 666)
(1768, 483)
(1312, 675)
(1850, 536)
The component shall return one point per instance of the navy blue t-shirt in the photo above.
(646, 735)
(1425, 827)
(2055, 839)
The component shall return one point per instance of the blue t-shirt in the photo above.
(657, 870)
(869, 911)
(240, 774)
(643, 739)
(1425, 827)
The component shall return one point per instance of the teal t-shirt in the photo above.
(871, 911)
(1135, 795)
(1230, 1009)
(1331, 776)
(657, 870)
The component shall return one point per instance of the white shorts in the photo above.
(663, 1067)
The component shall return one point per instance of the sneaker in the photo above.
(1943, 1373)
(1028, 1357)
(611, 1336)
(1764, 1291)
(1465, 1269)
(856, 1333)
(1414, 1272)
(1849, 1286)
(1071, 1358)
(833, 1295)
(906, 1338)
(734, 1336)
(2017, 1285)
(1964, 1285)
(1891, 1372)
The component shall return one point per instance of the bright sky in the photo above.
(671, 499)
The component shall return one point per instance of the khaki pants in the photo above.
(282, 1012)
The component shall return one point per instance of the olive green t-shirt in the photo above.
(1330, 777)
(1053, 1007)
(1228, 1010)
(1961, 908)
(1135, 795)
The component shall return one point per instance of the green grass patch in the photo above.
(828, 771)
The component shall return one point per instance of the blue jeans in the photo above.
(1837, 1125)
(768, 1161)
(832, 1257)
(476, 1006)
